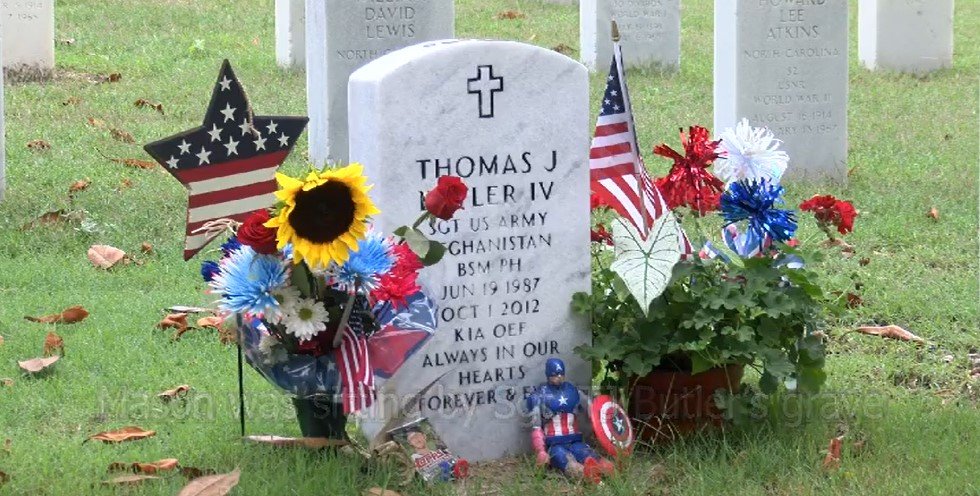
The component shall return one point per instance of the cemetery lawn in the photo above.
(909, 413)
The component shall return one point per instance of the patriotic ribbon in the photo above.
(356, 375)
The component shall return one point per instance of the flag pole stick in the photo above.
(641, 192)
(241, 380)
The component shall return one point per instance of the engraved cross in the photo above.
(484, 85)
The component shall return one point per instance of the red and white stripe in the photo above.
(230, 190)
(562, 424)
(356, 375)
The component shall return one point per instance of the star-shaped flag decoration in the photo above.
(229, 163)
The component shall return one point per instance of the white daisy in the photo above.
(305, 318)
(749, 153)
(273, 352)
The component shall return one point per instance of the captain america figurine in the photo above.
(555, 435)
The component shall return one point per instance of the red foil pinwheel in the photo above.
(689, 183)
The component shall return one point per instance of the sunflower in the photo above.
(324, 215)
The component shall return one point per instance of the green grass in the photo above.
(913, 146)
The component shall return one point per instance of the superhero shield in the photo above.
(612, 426)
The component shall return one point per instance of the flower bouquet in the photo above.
(674, 318)
(322, 300)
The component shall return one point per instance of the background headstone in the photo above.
(513, 121)
(906, 35)
(650, 32)
(28, 28)
(784, 65)
(291, 33)
(342, 35)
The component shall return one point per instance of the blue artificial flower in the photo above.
(754, 200)
(246, 282)
(209, 269)
(366, 265)
(229, 246)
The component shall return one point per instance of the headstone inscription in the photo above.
(913, 36)
(342, 35)
(512, 120)
(291, 33)
(650, 32)
(783, 64)
(28, 28)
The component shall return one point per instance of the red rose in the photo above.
(830, 210)
(254, 234)
(446, 198)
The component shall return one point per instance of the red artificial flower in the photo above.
(405, 259)
(830, 210)
(396, 288)
(689, 182)
(446, 198)
(253, 233)
(601, 235)
(597, 202)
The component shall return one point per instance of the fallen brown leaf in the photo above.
(255, 41)
(36, 365)
(134, 163)
(511, 14)
(121, 135)
(69, 315)
(98, 123)
(126, 183)
(72, 100)
(832, 460)
(4, 478)
(79, 185)
(227, 335)
(143, 102)
(174, 321)
(115, 77)
(7, 443)
(211, 485)
(128, 480)
(38, 145)
(105, 256)
(146, 248)
(145, 468)
(212, 321)
(6, 382)
(933, 213)
(194, 472)
(890, 331)
(864, 261)
(177, 392)
(854, 300)
(1, 340)
(297, 442)
(128, 433)
(563, 49)
(377, 491)
(52, 343)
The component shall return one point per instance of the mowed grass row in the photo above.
(913, 146)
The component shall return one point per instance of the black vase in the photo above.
(320, 416)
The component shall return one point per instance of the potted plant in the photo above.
(672, 335)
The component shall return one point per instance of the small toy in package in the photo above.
(430, 456)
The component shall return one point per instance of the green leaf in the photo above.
(417, 242)
(436, 251)
(768, 383)
(401, 231)
(700, 364)
(810, 379)
(645, 265)
(300, 279)
(812, 351)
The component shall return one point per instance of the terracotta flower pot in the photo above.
(665, 404)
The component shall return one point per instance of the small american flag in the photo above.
(356, 374)
(228, 164)
(618, 176)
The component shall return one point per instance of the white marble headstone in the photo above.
(513, 121)
(291, 33)
(783, 64)
(342, 35)
(27, 26)
(650, 32)
(913, 36)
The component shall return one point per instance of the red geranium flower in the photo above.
(446, 198)
(689, 182)
(596, 202)
(601, 235)
(254, 234)
(831, 211)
